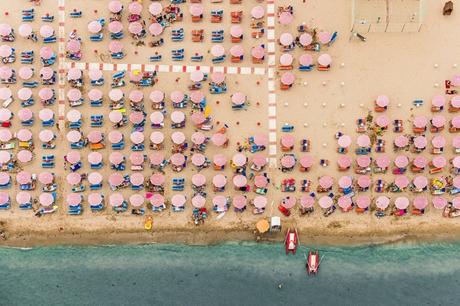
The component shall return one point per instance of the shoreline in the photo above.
(200, 237)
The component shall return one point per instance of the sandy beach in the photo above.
(409, 53)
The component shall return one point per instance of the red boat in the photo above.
(313, 262)
(291, 242)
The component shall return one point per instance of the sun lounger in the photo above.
(197, 58)
(96, 37)
(47, 18)
(287, 128)
(76, 14)
(118, 55)
(49, 40)
(96, 208)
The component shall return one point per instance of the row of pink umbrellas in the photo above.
(25, 30)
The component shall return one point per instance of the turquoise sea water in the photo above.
(229, 274)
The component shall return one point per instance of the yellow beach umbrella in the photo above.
(262, 226)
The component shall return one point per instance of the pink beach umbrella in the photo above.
(239, 159)
(325, 202)
(219, 160)
(260, 202)
(456, 142)
(197, 96)
(24, 156)
(136, 117)
(5, 135)
(177, 159)
(455, 101)
(74, 136)
(364, 181)
(455, 81)
(46, 31)
(198, 180)
(5, 157)
(438, 121)
(178, 138)
(5, 51)
(5, 114)
(23, 197)
(198, 138)
(286, 39)
(439, 202)
(5, 178)
(135, 8)
(115, 137)
(46, 199)
(401, 141)
(345, 182)
(45, 114)
(6, 72)
(157, 138)
(420, 202)
(324, 37)
(420, 142)
(219, 180)
(24, 135)
(155, 29)
(136, 200)
(73, 46)
(287, 141)
(382, 121)
(382, 202)
(259, 139)
(198, 201)
(363, 141)
(135, 27)
(116, 199)
(307, 201)
(363, 201)
(115, 46)
(287, 78)
(217, 50)
(219, 201)
(260, 181)
(46, 52)
(115, 6)
(401, 202)
(344, 161)
(95, 74)
(74, 94)
(305, 39)
(259, 160)
(382, 101)
(177, 117)
(178, 200)
(324, 60)
(420, 162)
(73, 115)
(95, 137)
(257, 12)
(157, 117)
(286, 59)
(288, 161)
(94, 27)
(401, 181)
(363, 161)
(197, 76)
(219, 139)
(438, 141)
(25, 30)
(115, 116)
(95, 178)
(73, 178)
(94, 199)
(5, 29)
(217, 77)
(157, 200)
(5, 93)
(74, 199)
(456, 122)
(439, 161)
(285, 18)
(239, 181)
(326, 181)
(136, 179)
(156, 158)
(258, 52)
(382, 161)
(438, 101)
(155, 8)
(289, 202)
(240, 201)
(456, 202)
(46, 73)
(306, 60)
(116, 158)
(136, 158)
(157, 179)
(236, 31)
(24, 94)
(420, 182)
(73, 157)
(26, 73)
(344, 141)
(177, 96)
(115, 27)
(420, 122)
(236, 51)
(95, 158)
(116, 179)
(196, 10)
(46, 135)
(198, 159)
(344, 202)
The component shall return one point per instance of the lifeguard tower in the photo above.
(387, 15)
